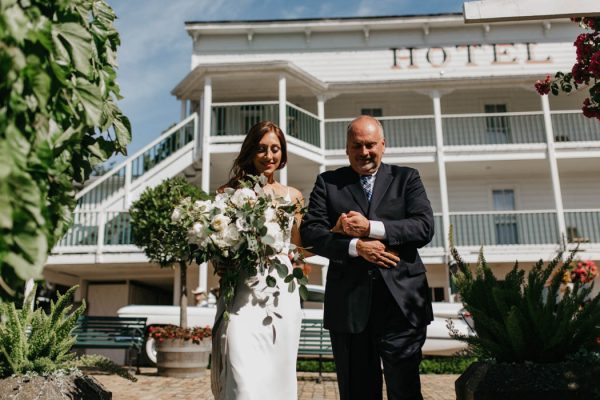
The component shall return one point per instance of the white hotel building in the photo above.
(509, 169)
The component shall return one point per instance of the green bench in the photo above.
(111, 333)
(315, 342)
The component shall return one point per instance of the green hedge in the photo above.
(429, 365)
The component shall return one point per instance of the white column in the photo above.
(283, 178)
(321, 115)
(562, 230)
(441, 165)
(206, 115)
(100, 243)
(183, 112)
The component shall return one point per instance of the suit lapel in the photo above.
(382, 183)
(358, 193)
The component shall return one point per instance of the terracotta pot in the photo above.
(182, 358)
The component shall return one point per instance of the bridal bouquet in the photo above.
(243, 231)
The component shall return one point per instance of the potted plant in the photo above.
(35, 352)
(165, 242)
(533, 341)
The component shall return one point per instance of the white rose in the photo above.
(203, 205)
(274, 236)
(242, 225)
(243, 196)
(176, 216)
(270, 214)
(198, 228)
(220, 222)
(231, 235)
(221, 201)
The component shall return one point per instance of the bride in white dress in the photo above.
(254, 352)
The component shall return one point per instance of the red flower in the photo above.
(595, 65)
(543, 87)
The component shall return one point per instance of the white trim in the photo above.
(515, 10)
(511, 212)
(506, 114)
(245, 103)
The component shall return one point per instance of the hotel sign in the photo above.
(468, 54)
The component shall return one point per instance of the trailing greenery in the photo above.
(58, 119)
(164, 241)
(33, 341)
(530, 319)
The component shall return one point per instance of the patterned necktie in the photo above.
(366, 181)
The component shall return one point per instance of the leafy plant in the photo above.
(33, 341)
(585, 71)
(58, 119)
(164, 241)
(96, 362)
(520, 319)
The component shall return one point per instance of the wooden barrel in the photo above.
(180, 358)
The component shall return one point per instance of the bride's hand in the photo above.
(338, 228)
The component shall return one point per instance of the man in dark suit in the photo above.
(369, 219)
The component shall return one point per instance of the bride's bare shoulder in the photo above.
(295, 194)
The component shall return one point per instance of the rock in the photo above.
(73, 386)
(552, 381)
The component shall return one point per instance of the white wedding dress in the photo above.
(254, 353)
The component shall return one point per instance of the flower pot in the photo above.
(552, 381)
(182, 358)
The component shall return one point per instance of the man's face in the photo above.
(365, 146)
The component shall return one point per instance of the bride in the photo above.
(254, 352)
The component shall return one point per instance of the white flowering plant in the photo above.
(242, 231)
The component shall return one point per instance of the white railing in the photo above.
(135, 166)
(98, 229)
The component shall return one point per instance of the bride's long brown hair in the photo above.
(244, 163)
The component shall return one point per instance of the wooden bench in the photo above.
(111, 333)
(315, 341)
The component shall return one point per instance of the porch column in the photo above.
(206, 124)
(441, 165)
(321, 115)
(560, 213)
(183, 112)
(283, 120)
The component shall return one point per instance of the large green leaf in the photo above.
(91, 100)
(77, 41)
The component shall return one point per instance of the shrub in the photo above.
(33, 341)
(519, 320)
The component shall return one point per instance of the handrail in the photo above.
(303, 110)
(245, 103)
(114, 170)
(424, 116)
(510, 212)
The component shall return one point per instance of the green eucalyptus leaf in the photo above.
(298, 273)
(291, 286)
(303, 292)
(271, 282)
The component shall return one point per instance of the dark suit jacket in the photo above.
(400, 202)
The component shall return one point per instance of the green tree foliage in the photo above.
(32, 341)
(58, 119)
(528, 319)
(164, 241)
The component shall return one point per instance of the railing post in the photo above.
(127, 186)
(101, 225)
(283, 120)
(321, 115)
(560, 213)
(206, 126)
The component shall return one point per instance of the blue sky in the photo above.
(155, 52)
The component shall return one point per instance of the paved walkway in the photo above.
(150, 387)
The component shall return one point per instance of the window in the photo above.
(505, 223)
(373, 112)
(438, 293)
(497, 126)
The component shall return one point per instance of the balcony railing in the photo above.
(572, 126)
(583, 226)
(438, 236)
(399, 132)
(175, 138)
(235, 119)
(303, 125)
(490, 129)
(505, 228)
(86, 231)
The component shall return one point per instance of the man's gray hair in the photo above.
(349, 127)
